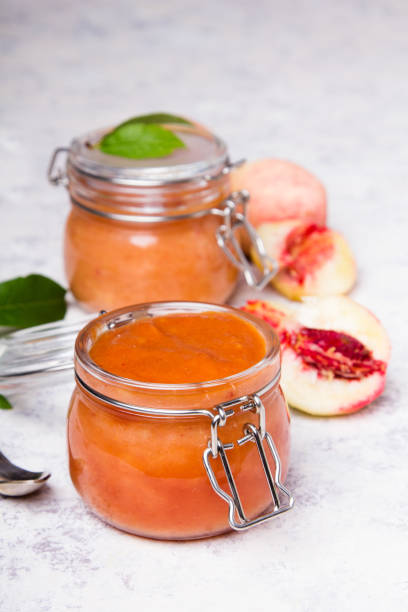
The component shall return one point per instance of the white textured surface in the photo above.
(322, 83)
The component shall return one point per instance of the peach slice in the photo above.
(334, 353)
(280, 190)
(314, 260)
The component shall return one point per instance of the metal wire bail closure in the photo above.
(55, 174)
(235, 219)
(280, 496)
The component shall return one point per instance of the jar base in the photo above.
(148, 536)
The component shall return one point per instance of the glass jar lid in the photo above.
(204, 156)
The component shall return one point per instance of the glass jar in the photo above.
(156, 229)
(179, 461)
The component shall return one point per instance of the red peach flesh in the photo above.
(335, 354)
(308, 247)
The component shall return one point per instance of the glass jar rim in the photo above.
(177, 167)
(123, 315)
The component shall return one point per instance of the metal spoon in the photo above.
(14, 481)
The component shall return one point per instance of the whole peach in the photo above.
(280, 190)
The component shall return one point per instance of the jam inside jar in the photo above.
(154, 229)
(160, 446)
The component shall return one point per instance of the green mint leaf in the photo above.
(136, 140)
(4, 403)
(31, 300)
(159, 118)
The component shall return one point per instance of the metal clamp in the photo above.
(55, 174)
(235, 219)
(281, 498)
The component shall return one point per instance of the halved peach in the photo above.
(334, 353)
(313, 259)
(280, 190)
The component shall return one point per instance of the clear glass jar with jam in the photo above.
(154, 229)
(177, 427)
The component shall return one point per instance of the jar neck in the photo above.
(116, 392)
(171, 199)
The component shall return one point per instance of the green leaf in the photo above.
(140, 141)
(156, 118)
(4, 403)
(143, 137)
(31, 300)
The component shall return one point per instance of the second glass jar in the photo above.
(151, 230)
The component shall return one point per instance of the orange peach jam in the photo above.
(141, 470)
(143, 230)
(180, 348)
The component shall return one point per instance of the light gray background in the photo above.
(322, 83)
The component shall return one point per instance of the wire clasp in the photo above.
(236, 221)
(280, 496)
(55, 174)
